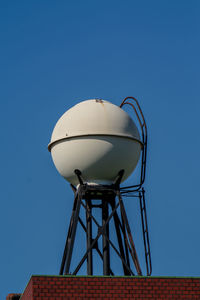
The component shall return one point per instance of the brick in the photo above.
(135, 288)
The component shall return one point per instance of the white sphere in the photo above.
(98, 138)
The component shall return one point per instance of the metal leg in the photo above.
(68, 234)
(132, 245)
(125, 242)
(120, 242)
(73, 233)
(66, 260)
(105, 243)
(89, 237)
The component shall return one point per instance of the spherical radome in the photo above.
(98, 138)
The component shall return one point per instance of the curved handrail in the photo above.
(143, 127)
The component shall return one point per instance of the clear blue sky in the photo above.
(54, 54)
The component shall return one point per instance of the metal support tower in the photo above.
(111, 199)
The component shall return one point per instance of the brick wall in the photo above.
(142, 288)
